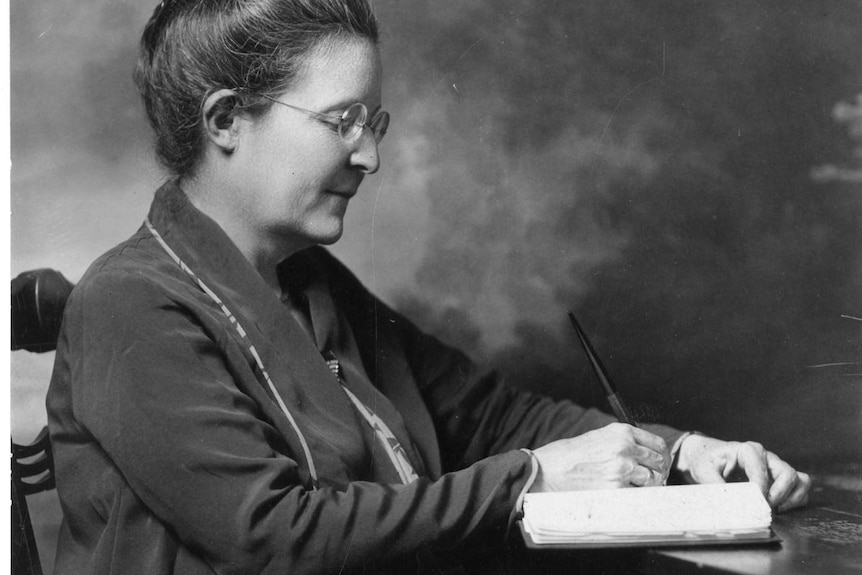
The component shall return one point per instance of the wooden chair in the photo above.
(38, 299)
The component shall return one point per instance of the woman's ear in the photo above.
(221, 119)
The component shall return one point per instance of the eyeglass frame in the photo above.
(338, 122)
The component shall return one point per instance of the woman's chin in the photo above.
(328, 235)
(329, 240)
(291, 239)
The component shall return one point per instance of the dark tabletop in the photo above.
(823, 538)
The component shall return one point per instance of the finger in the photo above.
(799, 496)
(784, 479)
(650, 440)
(639, 476)
(751, 457)
(645, 477)
(656, 478)
(650, 459)
(656, 444)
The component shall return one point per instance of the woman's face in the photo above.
(292, 174)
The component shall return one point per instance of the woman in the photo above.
(227, 398)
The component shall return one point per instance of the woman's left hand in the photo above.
(703, 459)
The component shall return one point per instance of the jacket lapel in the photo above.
(294, 364)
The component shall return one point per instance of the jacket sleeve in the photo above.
(151, 386)
(476, 415)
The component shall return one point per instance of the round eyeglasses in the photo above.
(350, 123)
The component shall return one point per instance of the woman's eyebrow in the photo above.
(342, 105)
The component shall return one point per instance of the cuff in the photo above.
(518, 509)
(676, 476)
(674, 451)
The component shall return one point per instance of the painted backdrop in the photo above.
(685, 176)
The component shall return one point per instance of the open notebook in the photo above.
(731, 513)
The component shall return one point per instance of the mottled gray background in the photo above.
(685, 175)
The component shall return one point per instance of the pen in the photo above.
(617, 406)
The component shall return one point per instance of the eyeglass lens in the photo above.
(354, 119)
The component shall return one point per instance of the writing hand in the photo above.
(706, 460)
(616, 455)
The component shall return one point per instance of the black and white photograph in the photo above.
(453, 287)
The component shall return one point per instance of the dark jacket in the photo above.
(188, 426)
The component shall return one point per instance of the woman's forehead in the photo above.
(339, 70)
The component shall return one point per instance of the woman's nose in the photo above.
(365, 155)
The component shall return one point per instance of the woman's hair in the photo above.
(192, 48)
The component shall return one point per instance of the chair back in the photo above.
(32, 472)
(38, 299)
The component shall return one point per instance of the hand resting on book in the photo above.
(706, 460)
(617, 455)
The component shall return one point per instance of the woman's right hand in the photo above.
(617, 455)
